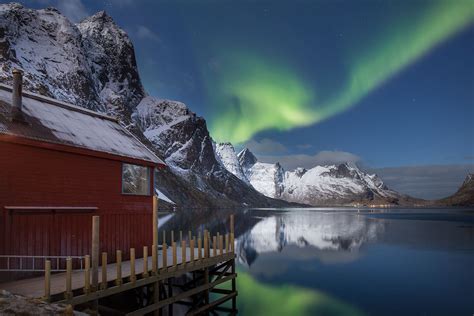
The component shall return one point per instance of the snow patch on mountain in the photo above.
(226, 155)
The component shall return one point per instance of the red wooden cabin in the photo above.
(60, 165)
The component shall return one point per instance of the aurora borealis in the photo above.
(389, 82)
(256, 95)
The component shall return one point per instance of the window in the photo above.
(135, 179)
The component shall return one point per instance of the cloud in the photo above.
(144, 33)
(265, 146)
(427, 182)
(325, 157)
(73, 9)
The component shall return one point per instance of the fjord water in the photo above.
(335, 261)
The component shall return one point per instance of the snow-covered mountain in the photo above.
(321, 185)
(92, 64)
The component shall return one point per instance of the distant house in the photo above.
(60, 165)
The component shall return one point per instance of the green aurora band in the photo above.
(257, 298)
(258, 94)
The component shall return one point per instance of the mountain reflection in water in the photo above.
(331, 261)
(342, 233)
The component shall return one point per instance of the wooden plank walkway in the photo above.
(34, 287)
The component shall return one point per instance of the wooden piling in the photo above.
(118, 281)
(199, 248)
(95, 252)
(221, 245)
(214, 246)
(232, 242)
(69, 311)
(183, 253)
(175, 257)
(226, 243)
(103, 284)
(68, 293)
(191, 246)
(145, 261)
(87, 276)
(232, 233)
(154, 259)
(206, 245)
(133, 276)
(47, 280)
(164, 251)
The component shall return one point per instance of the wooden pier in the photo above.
(184, 274)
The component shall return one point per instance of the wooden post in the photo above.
(154, 259)
(199, 248)
(206, 245)
(189, 235)
(154, 251)
(183, 253)
(145, 261)
(180, 236)
(103, 285)
(47, 280)
(133, 276)
(226, 243)
(68, 294)
(191, 246)
(87, 274)
(232, 242)
(95, 252)
(232, 232)
(175, 257)
(118, 281)
(69, 311)
(165, 255)
(214, 246)
(172, 237)
(234, 286)
(221, 244)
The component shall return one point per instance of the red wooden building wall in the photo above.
(42, 177)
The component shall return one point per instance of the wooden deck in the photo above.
(34, 287)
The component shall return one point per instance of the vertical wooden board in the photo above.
(28, 221)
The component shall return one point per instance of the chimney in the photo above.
(17, 113)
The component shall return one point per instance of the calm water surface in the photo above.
(329, 261)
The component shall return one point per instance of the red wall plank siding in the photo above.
(32, 176)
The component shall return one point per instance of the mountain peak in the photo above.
(469, 179)
(99, 17)
(246, 158)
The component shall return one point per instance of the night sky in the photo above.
(383, 83)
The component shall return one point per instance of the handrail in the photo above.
(23, 260)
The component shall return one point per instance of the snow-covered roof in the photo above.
(57, 122)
